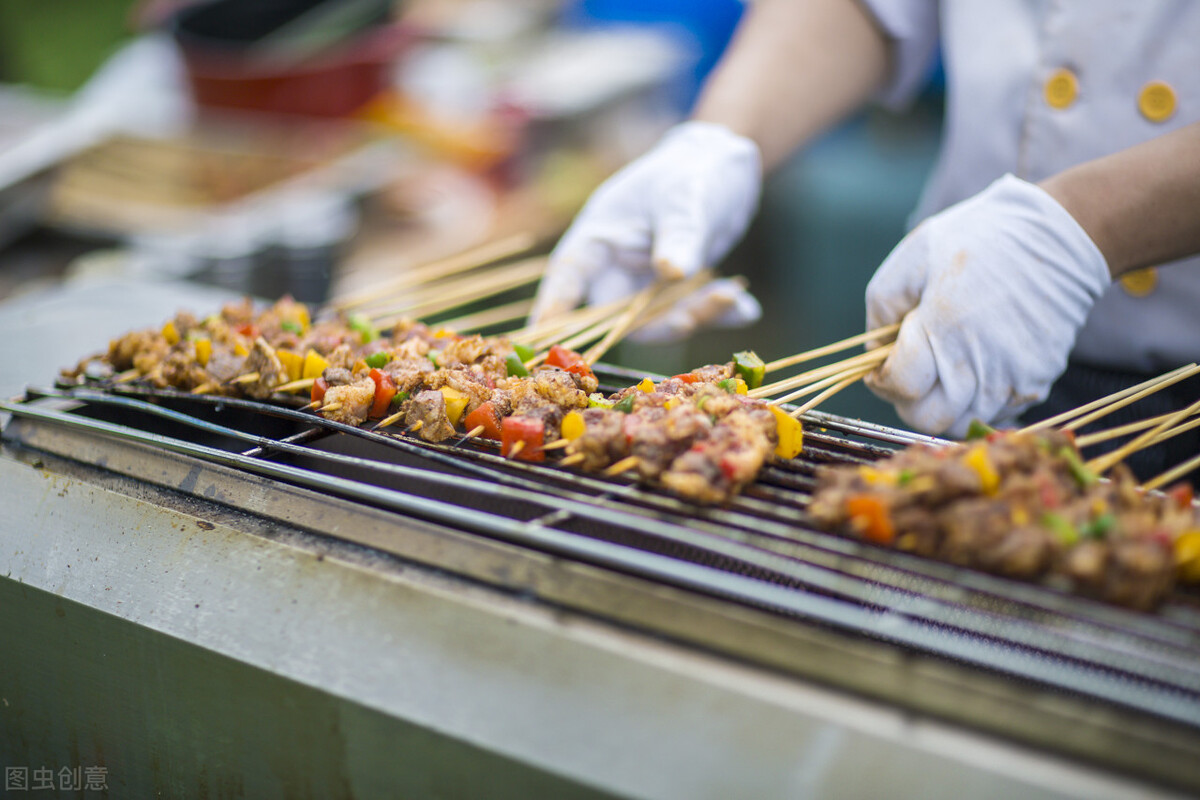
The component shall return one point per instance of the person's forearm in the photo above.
(795, 68)
(1141, 206)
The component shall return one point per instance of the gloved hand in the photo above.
(675, 210)
(995, 290)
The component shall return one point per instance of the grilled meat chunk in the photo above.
(603, 441)
(429, 408)
(355, 399)
(271, 373)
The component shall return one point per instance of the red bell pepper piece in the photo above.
(686, 377)
(249, 330)
(529, 430)
(319, 388)
(1182, 494)
(486, 416)
(385, 390)
(870, 515)
(569, 360)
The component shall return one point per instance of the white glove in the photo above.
(670, 213)
(995, 290)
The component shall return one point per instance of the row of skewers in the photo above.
(1023, 504)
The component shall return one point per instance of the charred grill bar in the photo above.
(753, 580)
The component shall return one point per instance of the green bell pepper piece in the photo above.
(525, 353)
(625, 404)
(516, 366)
(1060, 527)
(978, 429)
(750, 368)
(378, 360)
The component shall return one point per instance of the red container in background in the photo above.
(227, 72)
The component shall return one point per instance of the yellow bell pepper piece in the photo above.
(977, 459)
(646, 385)
(740, 387)
(456, 403)
(239, 349)
(671, 403)
(292, 362)
(170, 332)
(203, 351)
(360, 366)
(573, 425)
(790, 431)
(314, 364)
(1187, 556)
(302, 317)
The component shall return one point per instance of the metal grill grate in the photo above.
(761, 551)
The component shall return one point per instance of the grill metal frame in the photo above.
(755, 580)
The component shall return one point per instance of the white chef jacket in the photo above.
(1036, 86)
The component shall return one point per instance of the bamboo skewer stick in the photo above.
(461, 262)
(303, 383)
(572, 460)
(416, 426)
(571, 322)
(855, 376)
(1173, 474)
(516, 449)
(623, 325)
(127, 376)
(1090, 439)
(557, 444)
(310, 406)
(249, 377)
(624, 465)
(471, 434)
(816, 386)
(1162, 381)
(830, 349)
(1078, 423)
(1178, 429)
(329, 407)
(463, 293)
(389, 421)
(434, 291)
(1105, 462)
(492, 316)
(205, 388)
(873, 357)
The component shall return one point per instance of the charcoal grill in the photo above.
(754, 581)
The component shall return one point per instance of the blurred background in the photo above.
(317, 147)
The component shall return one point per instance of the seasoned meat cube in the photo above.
(462, 381)
(271, 373)
(180, 369)
(412, 348)
(240, 313)
(713, 372)
(491, 369)
(1140, 574)
(981, 533)
(124, 349)
(658, 436)
(502, 402)
(716, 468)
(558, 387)
(342, 356)
(429, 408)
(151, 357)
(547, 384)
(337, 376)
(355, 398)
(464, 350)
(409, 373)
(603, 441)
(224, 365)
(550, 415)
